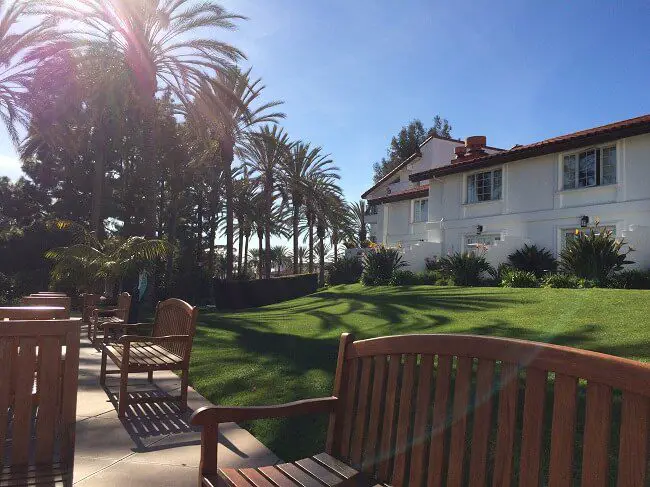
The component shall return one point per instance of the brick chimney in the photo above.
(474, 147)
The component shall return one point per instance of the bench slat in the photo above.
(633, 449)
(49, 392)
(298, 475)
(482, 422)
(459, 427)
(388, 430)
(563, 430)
(598, 419)
(507, 418)
(439, 420)
(420, 433)
(255, 478)
(376, 420)
(350, 400)
(235, 478)
(403, 421)
(531, 441)
(335, 465)
(325, 475)
(23, 402)
(362, 408)
(278, 477)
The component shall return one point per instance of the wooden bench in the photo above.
(59, 301)
(33, 313)
(168, 348)
(39, 364)
(461, 410)
(112, 316)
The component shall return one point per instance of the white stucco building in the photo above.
(453, 195)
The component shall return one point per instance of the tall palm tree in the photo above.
(341, 224)
(358, 211)
(280, 255)
(227, 108)
(22, 49)
(164, 44)
(265, 152)
(304, 163)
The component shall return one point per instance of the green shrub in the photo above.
(594, 255)
(465, 269)
(260, 292)
(432, 263)
(519, 278)
(380, 265)
(531, 258)
(345, 271)
(632, 279)
(566, 281)
(404, 278)
(431, 278)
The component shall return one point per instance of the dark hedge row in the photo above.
(260, 292)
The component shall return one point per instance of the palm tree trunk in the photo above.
(246, 238)
(260, 254)
(362, 231)
(310, 223)
(214, 205)
(161, 208)
(98, 190)
(321, 256)
(240, 241)
(296, 222)
(199, 231)
(227, 144)
(335, 244)
(268, 189)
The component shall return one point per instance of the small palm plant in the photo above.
(531, 258)
(595, 255)
(380, 265)
(465, 268)
(88, 261)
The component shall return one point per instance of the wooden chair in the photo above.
(460, 410)
(39, 364)
(102, 316)
(88, 304)
(168, 348)
(62, 301)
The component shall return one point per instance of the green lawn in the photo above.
(287, 351)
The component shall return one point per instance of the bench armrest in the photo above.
(154, 340)
(224, 414)
(210, 417)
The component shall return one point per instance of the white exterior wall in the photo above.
(535, 209)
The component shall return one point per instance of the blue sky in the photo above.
(353, 72)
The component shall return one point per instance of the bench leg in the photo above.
(123, 399)
(184, 385)
(102, 373)
(150, 376)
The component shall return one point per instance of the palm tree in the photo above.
(304, 163)
(164, 45)
(302, 255)
(358, 210)
(280, 255)
(227, 108)
(265, 152)
(340, 224)
(88, 260)
(22, 49)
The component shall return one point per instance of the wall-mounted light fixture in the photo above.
(479, 229)
(584, 221)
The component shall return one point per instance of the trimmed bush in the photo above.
(260, 292)
(518, 278)
(594, 255)
(466, 268)
(405, 278)
(565, 281)
(432, 263)
(379, 265)
(632, 279)
(531, 258)
(345, 271)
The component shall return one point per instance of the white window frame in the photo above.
(415, 213)
(466, 191)
(598, 150)
(489, 239)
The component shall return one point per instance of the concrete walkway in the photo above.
(155, 445)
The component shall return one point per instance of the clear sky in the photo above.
(352, 72)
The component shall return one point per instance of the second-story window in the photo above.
(485, 186)
(421, 210)
(593, 167)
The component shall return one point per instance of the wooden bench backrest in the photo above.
(63, 301)
(88, 304)
(38, 391)
(175, 317)
(124, 305)
(460, 410)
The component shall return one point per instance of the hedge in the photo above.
(260, 292)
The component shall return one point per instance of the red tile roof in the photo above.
(407, 194)
(596, 135)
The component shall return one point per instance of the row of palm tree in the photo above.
(260, 182)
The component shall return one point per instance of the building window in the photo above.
(593, 167)
(485, 186)
(421, 210)
(569, 234)
(474, 241)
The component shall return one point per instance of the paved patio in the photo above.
(155, 444)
